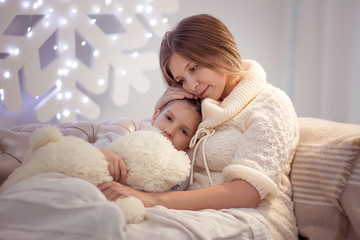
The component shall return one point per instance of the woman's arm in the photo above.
(236, 194)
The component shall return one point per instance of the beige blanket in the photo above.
(54, 206)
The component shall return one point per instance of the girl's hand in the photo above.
(117, 166)
(114, 190)
(171, 93)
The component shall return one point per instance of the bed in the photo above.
(325, 177)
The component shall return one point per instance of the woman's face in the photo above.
(198, 80)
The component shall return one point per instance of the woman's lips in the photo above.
(203, 92)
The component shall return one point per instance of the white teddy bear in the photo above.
(154, 165)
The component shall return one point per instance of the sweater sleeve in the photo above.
(265, 149)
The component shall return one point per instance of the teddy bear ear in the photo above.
(45, 135)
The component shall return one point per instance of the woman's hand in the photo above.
(172, 93)
(114, 190)
(117, 166)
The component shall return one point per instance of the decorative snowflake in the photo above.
(60, 52)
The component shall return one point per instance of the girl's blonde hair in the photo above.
(204, 40)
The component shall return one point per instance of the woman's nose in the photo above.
(192, 84)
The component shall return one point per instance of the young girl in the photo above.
(244, 146)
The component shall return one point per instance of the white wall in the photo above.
(310, 49)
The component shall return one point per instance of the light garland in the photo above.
(63, 68)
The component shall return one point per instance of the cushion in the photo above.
(325, 179)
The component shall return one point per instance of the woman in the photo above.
(245, 143)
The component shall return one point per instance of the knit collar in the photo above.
(217, 112)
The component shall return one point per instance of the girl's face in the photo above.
(178, 122)
(198, 80)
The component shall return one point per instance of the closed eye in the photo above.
(193, 69)
(181, 81)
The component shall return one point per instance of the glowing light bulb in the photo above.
(59, 96)
(114, 37)
(55, 47)
(153, 22)
(123, 72)
(26, 5)
(120, 9)
(63, 71)
(2, 94)
(63, 22)
(96, 53)
(93, 21)
(149, 9)
(85, 99)
(101, 82)
(7, 74)
(58, 116)
(37, 97)
(129, 20)
(74, 64)
(29, 34)
(66, 113)
(148, 35)
(165, 20)
(135, 54)
(74, 10)
(107, 2)
(68, 95)
(139, 8)
(58, 83)
(83, 43)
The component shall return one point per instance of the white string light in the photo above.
(129, 20)
(58, 83)
(101, 82)
(68, 95)
(148, 35)
(66, 113)
(135, 54)
(59, 96)
(139, 8)
(85, 99)
(153, 22)
(7, 74)
(51, 17)
(96, 53)
(2, 94)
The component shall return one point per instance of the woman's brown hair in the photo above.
(204, 40)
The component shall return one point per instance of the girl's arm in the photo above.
(236, 194)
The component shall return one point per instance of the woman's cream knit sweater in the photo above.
(251, 135)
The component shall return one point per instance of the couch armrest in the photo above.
(14, 141)
(325, 177)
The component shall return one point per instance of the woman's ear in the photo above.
(155, 115)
